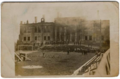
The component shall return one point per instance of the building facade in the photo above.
(67, 30)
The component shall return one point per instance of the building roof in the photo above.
(39, 23)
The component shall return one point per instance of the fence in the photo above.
(25, 47)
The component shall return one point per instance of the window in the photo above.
(79, 38)
(48, 29)
(85, 37)
(28, 38)
(44, 37)
(25, 30)
(24, 38)
(90, 37)
(48, 37)
(45, 29)
(39, 30)
(29, 30)
(39, 38)
(72, 39)
(36, 38)
(35, 29)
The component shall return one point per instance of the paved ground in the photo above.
(53, 63)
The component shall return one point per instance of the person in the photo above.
(98, 53)
(83, 51)
(68, 52)
(86, 51)
(43, 54)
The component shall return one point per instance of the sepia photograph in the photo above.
(60, 39)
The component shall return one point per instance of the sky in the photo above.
(13, 13)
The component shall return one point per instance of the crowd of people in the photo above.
(85, 51)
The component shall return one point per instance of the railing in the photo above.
(104, 66)
(99, 64)
(22, 55)
(90, 66)
(17, 58)
(23, 47)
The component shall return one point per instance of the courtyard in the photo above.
(51, 63)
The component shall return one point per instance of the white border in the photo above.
(1, 1)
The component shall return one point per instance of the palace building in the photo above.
(70, 30)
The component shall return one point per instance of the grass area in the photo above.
(54, 63)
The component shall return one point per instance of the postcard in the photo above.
(60, 39)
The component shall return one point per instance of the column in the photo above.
(64, 33)
(59, 33)
(75, 37)
(71, 37)
(55, 33)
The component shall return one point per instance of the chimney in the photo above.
(21, 22)
(35, 19)
(27, 21)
